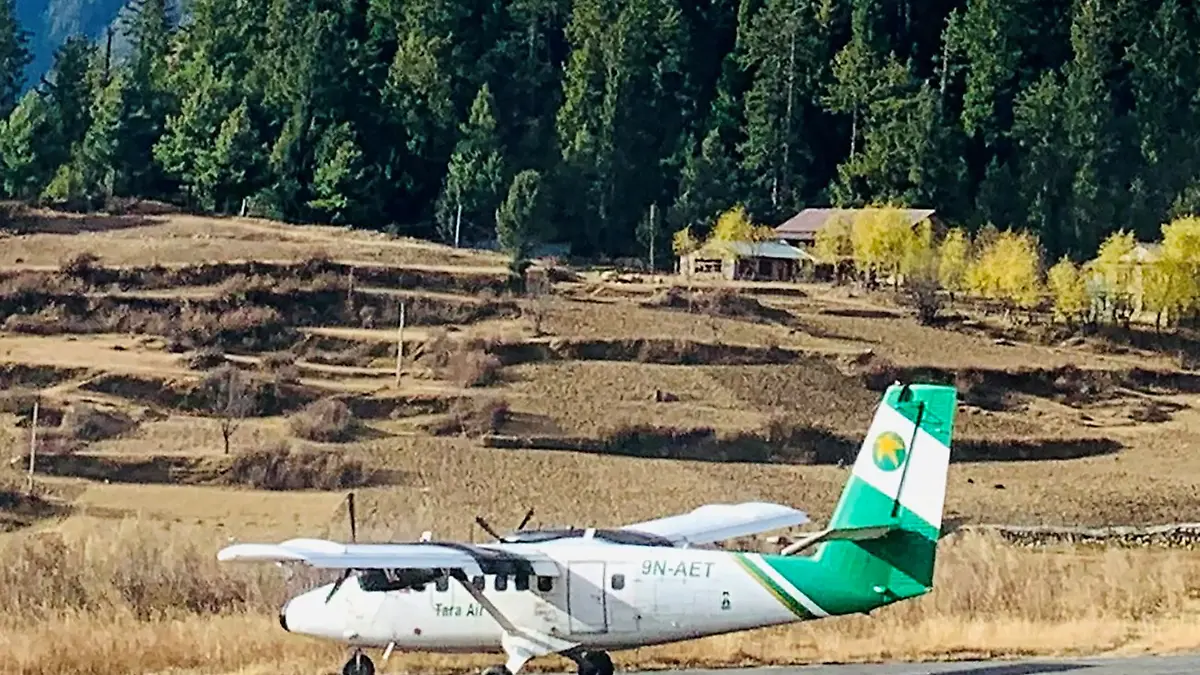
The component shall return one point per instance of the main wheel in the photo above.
(496, 670)
(595, 663)
(359, 664)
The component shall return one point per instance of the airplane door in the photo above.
(586, 597)
(621, 600)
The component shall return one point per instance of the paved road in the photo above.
(1142, 665)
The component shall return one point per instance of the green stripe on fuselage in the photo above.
(773, 588)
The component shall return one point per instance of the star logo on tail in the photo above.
(889, 451)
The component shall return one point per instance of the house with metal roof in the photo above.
(801, 229)
(745, 260)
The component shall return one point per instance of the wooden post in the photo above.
(400, 344)
(457, 223)
(653, 233)
(32, 444)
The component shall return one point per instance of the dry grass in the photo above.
(144, 597)
(51, 237)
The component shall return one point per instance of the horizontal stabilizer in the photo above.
(838, 534)
(471, 559)
(718, 522)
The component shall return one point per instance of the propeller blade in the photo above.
(353, 525)
(337, 584)
(487, 528)
(525, 520)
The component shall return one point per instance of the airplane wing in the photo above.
(718, 522)
(472, 559)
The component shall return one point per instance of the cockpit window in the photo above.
(397, 579)
(443, 583)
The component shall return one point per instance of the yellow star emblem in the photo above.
(889, 451)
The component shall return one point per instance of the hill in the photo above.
(149, 340)
(1041, 118)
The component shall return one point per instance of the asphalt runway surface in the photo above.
(1140, 665)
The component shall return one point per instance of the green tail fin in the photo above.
(898, 483)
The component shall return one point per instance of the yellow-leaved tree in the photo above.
(1007, 269)
(881, 237)
(919, 256)
(683, 243)
(1114, 264)
(1069, 288)
(735, 226)
(833, 243)
(1171, 284)
(954, 253)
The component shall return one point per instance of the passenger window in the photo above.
(501, 582)
(618, 582)
(522, 582)
(478, 583)
(545, 584)
(442, 584)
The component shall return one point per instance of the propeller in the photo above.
(353, 539)
(488, 528)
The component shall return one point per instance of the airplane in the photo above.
(582, 592)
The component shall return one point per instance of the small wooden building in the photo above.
(750, 261)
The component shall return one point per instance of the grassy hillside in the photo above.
(600, 400)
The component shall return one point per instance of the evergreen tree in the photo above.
(475, 177)
(14, 57)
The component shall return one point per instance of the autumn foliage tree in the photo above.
(1068, 287)
(1114, 265)
(1007, 269)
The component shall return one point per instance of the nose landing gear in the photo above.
(359, 664)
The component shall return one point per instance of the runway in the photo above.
(1141, 665)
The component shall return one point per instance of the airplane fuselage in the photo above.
(610, 596)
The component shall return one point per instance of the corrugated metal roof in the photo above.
(761, 249)
(809, 221)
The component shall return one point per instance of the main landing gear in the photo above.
(589, 663)
(594, 663)
(359, 664)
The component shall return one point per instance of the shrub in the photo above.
(86, 422)
(474, 368)
(278, 467)
(328, 420)
(207, 359)
(472, 417)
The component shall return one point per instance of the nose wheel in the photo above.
(359, 664)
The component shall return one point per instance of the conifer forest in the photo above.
(1070, 119)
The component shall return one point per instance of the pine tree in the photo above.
(148, 25)
(22, 163)
(475, 176)
(14, 57)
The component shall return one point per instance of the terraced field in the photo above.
(234, 378)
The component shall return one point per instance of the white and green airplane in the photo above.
(582, 592)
